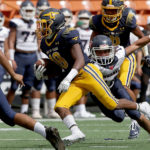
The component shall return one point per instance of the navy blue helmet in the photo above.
(84, 17)
(68, 15)
(41, 6)
(102, 51)
(112, 10)
(27, 10)
(49, 22)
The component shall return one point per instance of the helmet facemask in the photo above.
(40, 9)
(111, 13)
(44, 28)
(27, 12)
(103, 55)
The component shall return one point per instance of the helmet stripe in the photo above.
(110, 2)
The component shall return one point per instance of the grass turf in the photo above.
(101, 134)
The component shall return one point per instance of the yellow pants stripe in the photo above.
(91, 71)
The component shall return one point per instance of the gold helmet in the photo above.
(112, 10)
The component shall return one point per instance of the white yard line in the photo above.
(104, 146)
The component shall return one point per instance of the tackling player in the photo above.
(117, 22)
(78, 77)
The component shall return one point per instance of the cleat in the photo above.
(83, 114)
(77, 137)
(53, 115)
(36, 115)
(52, 135)
(134, 131)
(145, 109)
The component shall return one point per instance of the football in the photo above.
(52, 69)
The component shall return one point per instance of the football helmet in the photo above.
(49, 22)
(1, 19)
(27, 10)
(84, 17)
(42, 5)
(68, 15)
(102, 51)
(112, 10)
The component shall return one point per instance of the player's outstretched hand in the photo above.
(19, 79)
(147, 59)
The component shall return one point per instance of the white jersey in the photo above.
(85, 39)
(26, 39)
(4, 32)
(111, 71)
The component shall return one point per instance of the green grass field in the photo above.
(101, 134)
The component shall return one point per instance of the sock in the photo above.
(51, 104)
(35, 104)
(24, 108)
(80, 107)
(71, 124)
(40, 129)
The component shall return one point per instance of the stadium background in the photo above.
(10, 8)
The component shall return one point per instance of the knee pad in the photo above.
(118, 115)
(26, 93)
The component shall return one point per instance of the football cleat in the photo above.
(83, 114)
(52, 135)
(36, 115)
(134, 131)
(77, 137)
(52, 114)
(145, 109)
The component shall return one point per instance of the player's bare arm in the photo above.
(5, 63)
(138, 44)
(77, 55)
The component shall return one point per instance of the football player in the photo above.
(110, 58)
(117, 22)
(77, 76)
(85, 32)
(41, 5)
(4, 32)
(23, 42)
(68, 16)
(11, 118)
(50, 97)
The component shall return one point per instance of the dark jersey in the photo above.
(119, 32)
(58, 49)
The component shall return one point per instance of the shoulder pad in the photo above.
(15, 22)
(130, 20)
(67, 31)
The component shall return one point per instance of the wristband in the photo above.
(11, 53)
(145, 50)
(72, 74)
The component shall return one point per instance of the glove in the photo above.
(147, 59)
(64, 85)
(39, 72)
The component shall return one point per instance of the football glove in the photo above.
(64, 85)
(39, 72)
(147, 60)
